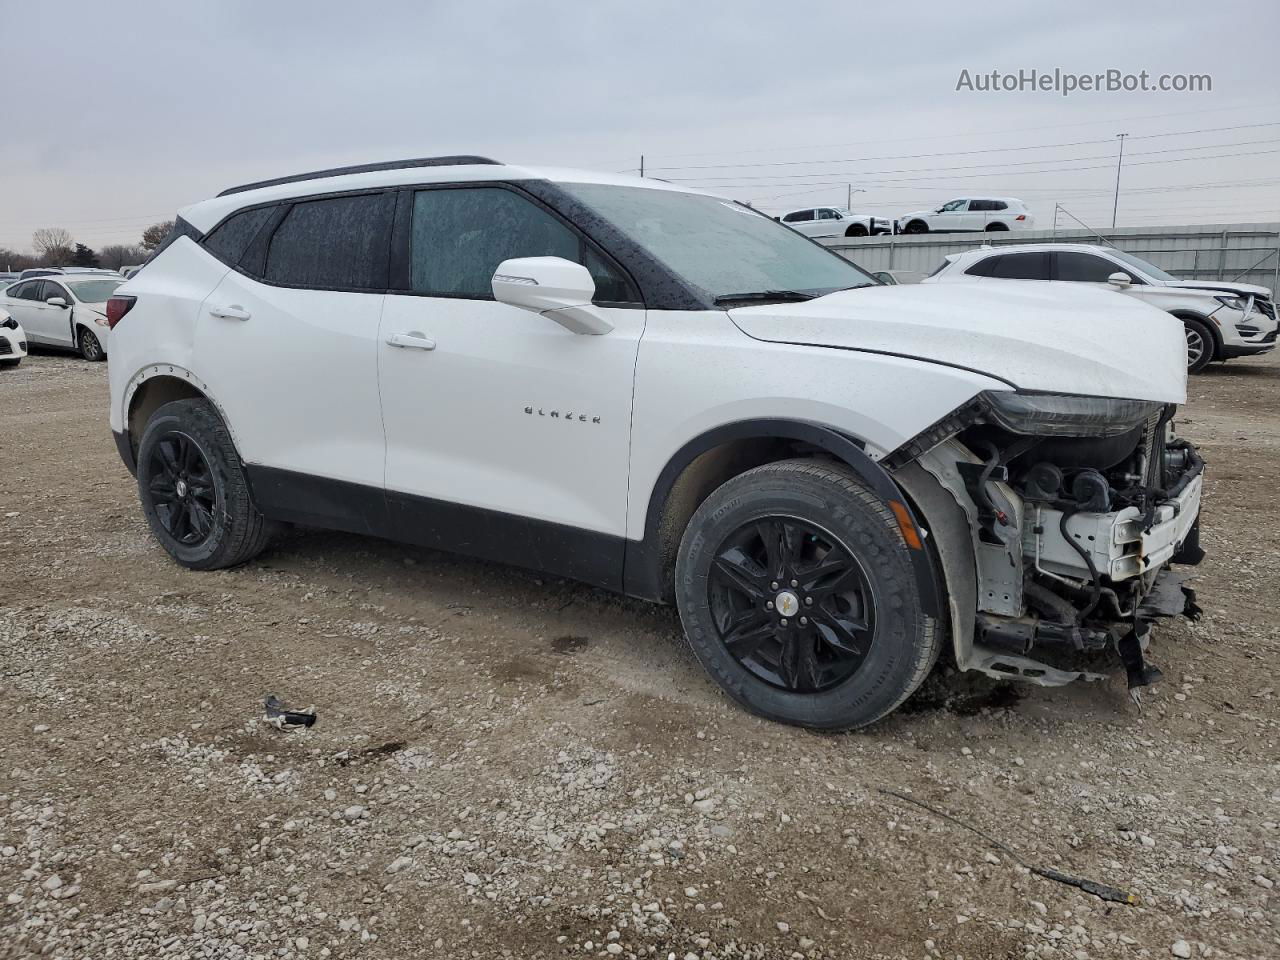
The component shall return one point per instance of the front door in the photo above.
(507, 435)
(43, 323)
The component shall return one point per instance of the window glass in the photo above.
(1083, 267)
(93, 291)
(716, 246)
(1150, 269)
(20, 291)
(339, 243)
(997, 205)
(1022, 266)
(983, 268)
(953, 206)
(828, 215)
(460, 236)
(800, 216)
(229, 241)
(52, 289)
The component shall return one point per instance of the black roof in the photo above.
(362, 168)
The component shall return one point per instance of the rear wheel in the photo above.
(797, 595)
(1199, 345)
(916, 226)
(193, 489)
(996, 227)
(90, 346)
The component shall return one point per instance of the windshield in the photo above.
(722, 248)
(92, 291)
(1150, 269)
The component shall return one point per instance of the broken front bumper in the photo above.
(1117, 542)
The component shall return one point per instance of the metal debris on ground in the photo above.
(1099, 890)
(283, 717)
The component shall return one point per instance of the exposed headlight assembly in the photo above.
(1234, 303)
(1066, 415)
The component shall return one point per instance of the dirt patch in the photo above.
(485, 781)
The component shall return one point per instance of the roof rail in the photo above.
(362, 168)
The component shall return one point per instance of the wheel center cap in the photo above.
(787, 603)
(180, 488)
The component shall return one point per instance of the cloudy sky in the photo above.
(116, 114)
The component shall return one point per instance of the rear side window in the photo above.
(799, 216)
(1083, 267)
(1021, 266)
(231, 238)
(340, 243)
(460, 236)
(983, 268)
(22, 291)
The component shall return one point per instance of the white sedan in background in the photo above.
(13, 341)
(63, 311)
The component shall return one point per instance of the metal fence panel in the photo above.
(1247, 252)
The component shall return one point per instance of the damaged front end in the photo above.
(1056, 519)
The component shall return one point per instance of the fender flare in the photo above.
(641, 574)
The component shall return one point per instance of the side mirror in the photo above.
(554, 287)
(1120, 280)
(56, 302)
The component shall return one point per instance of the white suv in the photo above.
(665, 393)
(970, 215)
(835, 222)
(1222, 320)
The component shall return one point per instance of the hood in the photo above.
(1221, 286)
(1032, 336)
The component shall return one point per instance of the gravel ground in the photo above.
(506, 765)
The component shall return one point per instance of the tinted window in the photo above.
(983, 268)
(997, 205)
(229, 241)
(1022, 266)
(459, 236)
(21, 291)
(798, 217)
(1083, 267)
(52, 289)
(338, 244)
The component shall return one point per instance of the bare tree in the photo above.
(53, 244)
(116, 255)
(154, 235)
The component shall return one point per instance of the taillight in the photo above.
(117, 307)
(1021, 216)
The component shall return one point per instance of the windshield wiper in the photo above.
(764, 296)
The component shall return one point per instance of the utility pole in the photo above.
(642, 164)
(848, 202)
(1119, 160)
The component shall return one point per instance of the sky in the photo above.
(117, 114)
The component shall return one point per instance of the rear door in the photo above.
(288, 343)
(19, 302)
(803, 221)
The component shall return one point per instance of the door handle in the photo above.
(415, 340)
(233, 312)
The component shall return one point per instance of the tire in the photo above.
(193, 489)
(90, 346)
(9, 363)
(916, 226)
(857, 230)
(996, 227)
(844, 660)
(1200, 345)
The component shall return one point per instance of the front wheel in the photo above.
(1199, 345)
(857, 230)
(90, 346)
(193, 489)
(797, 594)
(9, 363)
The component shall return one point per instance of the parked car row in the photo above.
(962, 215)
(665, 393)
(1221, 320)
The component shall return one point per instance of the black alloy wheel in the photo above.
(791, 604)
(182, 489)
